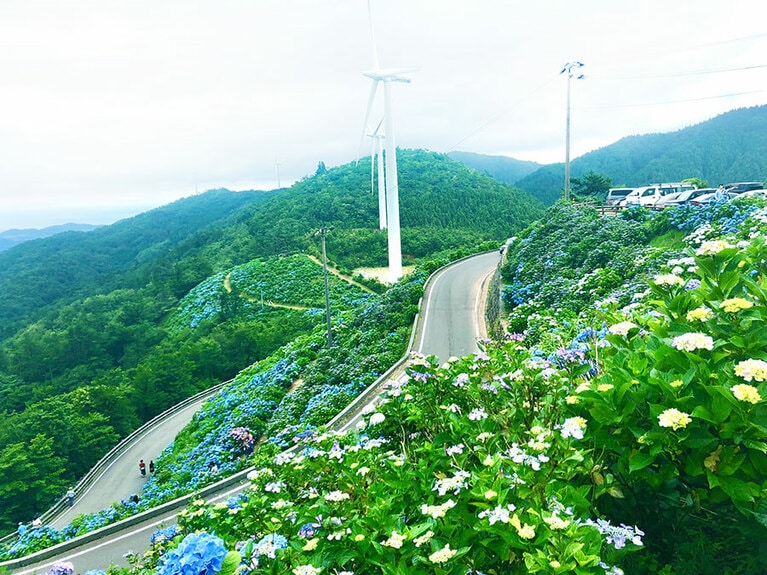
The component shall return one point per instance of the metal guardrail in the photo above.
(95, 472)
(339, 421)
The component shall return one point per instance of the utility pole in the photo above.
(322, 232)
(569, 69)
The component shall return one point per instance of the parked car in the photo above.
(740, 187)
(668, 199)
(631, 199)
(615, 195)
(675, 187)
(761, 193)
(683, 198)
(708, 198)
(650, 196)
(644, 196)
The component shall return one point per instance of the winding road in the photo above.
(451, 320)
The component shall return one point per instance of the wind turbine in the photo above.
(376, 151)
(387, 76)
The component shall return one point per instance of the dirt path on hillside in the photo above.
(335, 272)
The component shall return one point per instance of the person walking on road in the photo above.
(71, 496)
(142, 467)
(151, 466)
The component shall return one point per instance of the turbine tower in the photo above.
(387, 76)
(376, 151)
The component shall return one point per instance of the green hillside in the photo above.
(443, 205)
(103, 330)
(37, 274)
(729, 148)
(624, 430)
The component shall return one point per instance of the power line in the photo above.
(680, 74)
(666, 51)
(669, 101)
(499, 115)
(493, 119)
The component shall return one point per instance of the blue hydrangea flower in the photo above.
(62, 568)
(161, 535)
(197, 554)
(270, 544)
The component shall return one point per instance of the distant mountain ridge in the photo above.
(730, 147)
(502, 168)
(10, 238)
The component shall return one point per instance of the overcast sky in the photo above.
(109, 108)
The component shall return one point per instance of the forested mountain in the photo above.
(731, 147)
(442, 205)
(10, 238)
(502, 168)
(103, 330)
(61, 268)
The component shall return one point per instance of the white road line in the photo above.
(131, 533)
(428, 305)
(477, 301)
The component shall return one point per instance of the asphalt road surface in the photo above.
(122, 478)
(452, 314)
(453, 308)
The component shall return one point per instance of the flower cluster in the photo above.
(752, 369)
(619, 535)
(573, 427)
(736, 304)
(62, 568)
(668, 280)
(623, 328)
(693, 341)
(700, 314)
(674, 419)
(745, 392)
(712, 247)
(201, 554)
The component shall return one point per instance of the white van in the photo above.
(648, 196)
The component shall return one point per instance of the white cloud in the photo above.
(108, 103)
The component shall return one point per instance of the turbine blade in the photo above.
(390, 74)
(372, 167)
(378, 127)
(373, 37)
(365, 127)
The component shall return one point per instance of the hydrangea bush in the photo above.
(677, 410)
(470, 468)
(631, 434)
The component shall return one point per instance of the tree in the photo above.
(591, 184)
(321, 169)
(30, 479)
(697, 182)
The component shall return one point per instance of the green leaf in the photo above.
(230, 564)
(760, 512)
(736, 489)
(639, 460)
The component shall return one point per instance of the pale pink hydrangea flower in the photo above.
(622, 328)
(712, 247)
(692, 341)
(752, 369)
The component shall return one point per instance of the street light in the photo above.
(322, 232)
(569, 69)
